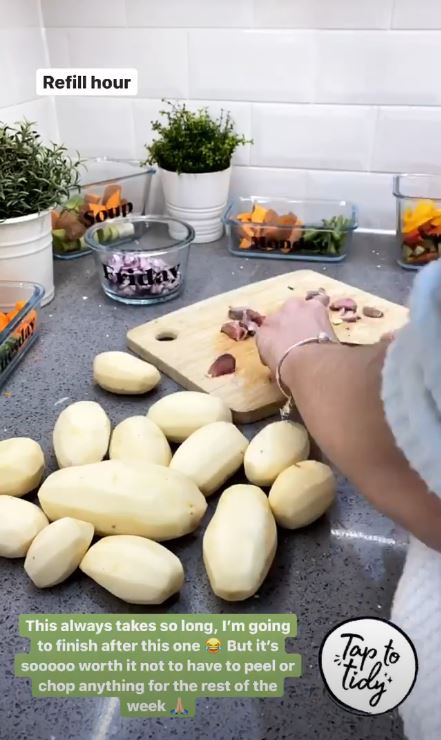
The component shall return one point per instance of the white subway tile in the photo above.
(408, 139)
(377, 67)
(251, 65)
(58, 47)
(190, 13)
(96, 126)
(313, 136)
(40, 111)
(371, 193)
(323, 13)
(21, 53)
(421, 14)
(265, 181)
(147, 111)
(160, 56)
(19, 13)
(83, 13)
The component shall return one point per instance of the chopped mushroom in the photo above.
(346, 304)
(319, 295)
(244, 314)
(235, 330)
(373, 313)
(223, 365)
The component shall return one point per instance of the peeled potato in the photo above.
(273, 449)
(211, 455)
(81, 434)
(119, 372)
(302, 493)
(57, 551)
(117, 498)
(182, 413)
(240, 543)
(139, 440)
(21, 466)
(20, 522)
(136, 570)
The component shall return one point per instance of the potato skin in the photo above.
(21, 466)
(124, 374)
(240, 543)
(135, 569)
(273, 449)
(182, 413)
(302, 493)
(211, 455)
(81, 434)
(57, 551)
(139, 440)
(20, 522)
(118, 498)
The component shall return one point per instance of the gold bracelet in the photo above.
(321, 338)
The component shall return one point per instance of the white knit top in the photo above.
(412, 401)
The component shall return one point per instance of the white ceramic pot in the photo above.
(197, 199)
(26, 251)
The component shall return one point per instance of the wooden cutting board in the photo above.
(183, 344)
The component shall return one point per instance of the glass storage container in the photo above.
(141, 259)
(418, 199)
(282, 228)
(109, 188)
(19, 322)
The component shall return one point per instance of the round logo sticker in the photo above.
(368, 665)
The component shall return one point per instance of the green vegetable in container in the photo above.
(329, 237)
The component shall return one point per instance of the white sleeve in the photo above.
(411, 386)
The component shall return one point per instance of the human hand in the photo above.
(295, 321)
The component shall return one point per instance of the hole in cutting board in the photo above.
(166, 336)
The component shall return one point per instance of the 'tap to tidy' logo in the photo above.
(368, 665)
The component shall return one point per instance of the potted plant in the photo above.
(33, 179)
(193, 151)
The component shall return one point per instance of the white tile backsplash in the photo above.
(422, 14)
(251, 65)
(378, 68)
(323, 13)
(337, 94)
(19, 13)
(40, 111)
(159, 55)
(22, 51)
(97, 126)
(408, 139)
(313, 136)
(190, 13)
(84, 13)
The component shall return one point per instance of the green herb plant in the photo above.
(329, 238)
(33, 177)
(193, 141)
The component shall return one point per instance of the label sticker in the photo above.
(368, 664)
(86, 81)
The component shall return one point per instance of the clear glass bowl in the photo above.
(109, 188)
(418, 199)
(22, 302)
(282, 228)
(141, 259)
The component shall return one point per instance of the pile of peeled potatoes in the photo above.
(144, 494)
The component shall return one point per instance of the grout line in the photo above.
(256, 29)
(319, 169)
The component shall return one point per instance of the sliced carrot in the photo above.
(12, 314)
(54, 217)
(243, 217)
(20, 304)
(245, 243)
(259, 214)
(92, 198)
(96, 208)
(112, 196)
(3, 321)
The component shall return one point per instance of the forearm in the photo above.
(337, 393)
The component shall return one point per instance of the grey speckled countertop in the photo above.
(346, 565)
